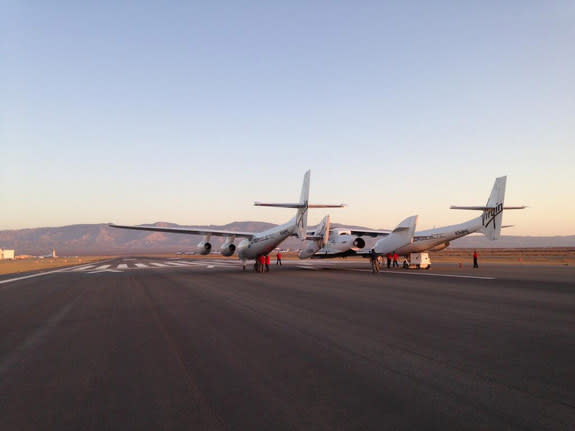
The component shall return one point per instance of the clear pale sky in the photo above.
(136, 112)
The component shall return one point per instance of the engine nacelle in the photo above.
(228, 248)
(440, 246)
(204, 247)
(359, 242)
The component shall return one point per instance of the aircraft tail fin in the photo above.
(321, 233)
(301, 215)
(492, 212)
(302, 206)
(401, 236)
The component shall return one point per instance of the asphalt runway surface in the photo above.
(134, 344)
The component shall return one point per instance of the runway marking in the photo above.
(217, 263)
(82, 268)
(477, 277)
(175, 264)
(100, 268)
(122, 266)
(40, 274)
(29, 276)
(159, 265)
(103, 270)
(140, 265)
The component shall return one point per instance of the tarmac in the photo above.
(140, 343)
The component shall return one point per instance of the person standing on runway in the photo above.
(279, 258)
(475, 255)
(268, 263)
(374, 261)
(261, 263)
(395, 257)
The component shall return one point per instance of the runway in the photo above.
(142, 343)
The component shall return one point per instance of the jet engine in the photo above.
(359, 242)
(228, 248)
(204, 247)
(440, 246)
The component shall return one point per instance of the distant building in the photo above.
(6, 254)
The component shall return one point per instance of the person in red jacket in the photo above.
(279, 258)
(268, 263)
(388, 256)
(395, 257)
(260, 261)
(475, 255)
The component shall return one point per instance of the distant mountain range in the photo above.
(93, 239)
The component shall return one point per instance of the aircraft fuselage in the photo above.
(428, 239)
(264, 242)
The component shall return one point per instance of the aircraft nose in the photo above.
(242, 246)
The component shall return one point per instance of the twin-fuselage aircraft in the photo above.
(327, 242)
(252, 244)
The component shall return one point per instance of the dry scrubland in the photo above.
(528, 256)
(27, 265)
(542, 256)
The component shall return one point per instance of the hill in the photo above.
(93, 239)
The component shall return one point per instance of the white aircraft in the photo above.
(489, 223)
(325, 242)
(253, 244)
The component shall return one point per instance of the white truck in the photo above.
(418, 261)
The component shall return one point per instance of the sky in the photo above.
(188, 112)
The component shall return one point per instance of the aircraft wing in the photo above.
(368, 232)
(346, 253)
(188, 230)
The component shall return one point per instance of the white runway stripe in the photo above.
(159, 265)
(191, 263)
(82, 268)
(102, 267)
(123, 266)
(477, 277)
(24, 277)
(175, 264)
(142, 265)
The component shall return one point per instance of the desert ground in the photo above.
(535, 256)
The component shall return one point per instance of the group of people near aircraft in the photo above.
(326, 242)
